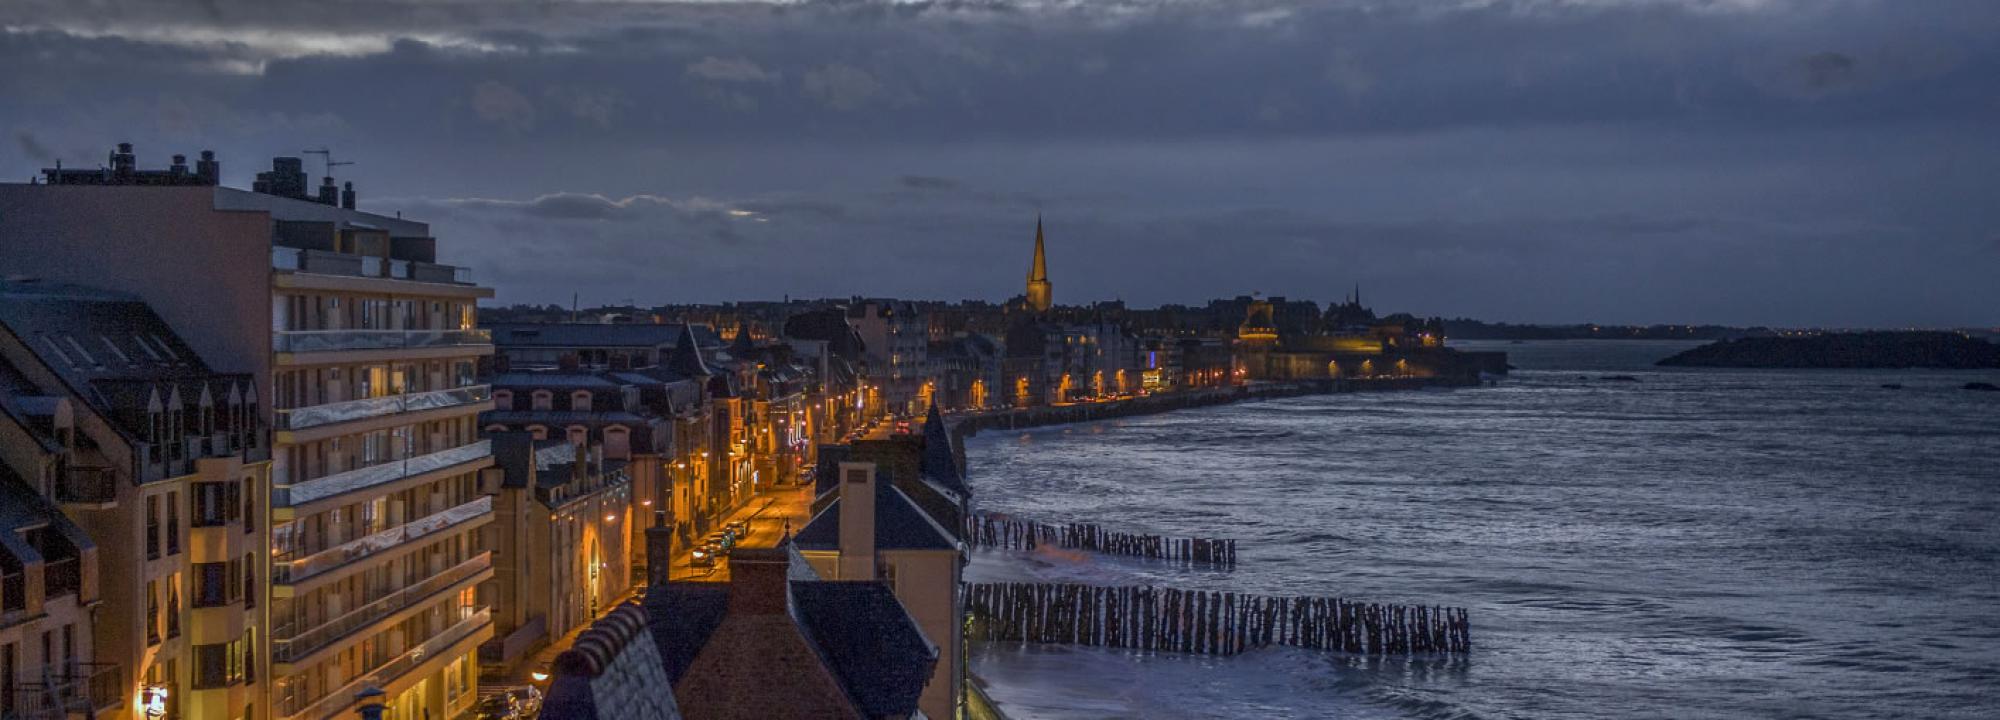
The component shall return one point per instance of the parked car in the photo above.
(704, 555)
(738, 530)
(722, 539)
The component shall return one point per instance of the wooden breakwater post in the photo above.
(1010, 533)
(1207, 622)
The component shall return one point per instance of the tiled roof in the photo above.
(899, 525)
(612, 671)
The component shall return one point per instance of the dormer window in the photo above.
(543, 399)
(503, 399)
(579, 401)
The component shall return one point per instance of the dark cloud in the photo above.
(1775, 161)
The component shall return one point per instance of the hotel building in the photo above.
(364, 350)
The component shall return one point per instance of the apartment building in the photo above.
(563, 556)
(365, 350)
(896, 337)
(134, 481)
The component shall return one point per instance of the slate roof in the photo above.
(682, 616)
(561, 417)
(863, 635)
(870, 642)
(566, 335)
(899, 524)
(940, 464)
(686, 359)
(552, 379)
(516, 453)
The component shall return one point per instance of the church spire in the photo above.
(1040, 291)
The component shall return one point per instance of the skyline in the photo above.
(1744, 163)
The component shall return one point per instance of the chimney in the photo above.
(347, 195)
(857, 521)
(328, 194)
(208, 169)
(123, 162)
(659, 549)
(180, 166)
(759, 582)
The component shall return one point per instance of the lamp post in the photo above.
(153, 701)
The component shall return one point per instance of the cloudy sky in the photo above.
(1792, 162)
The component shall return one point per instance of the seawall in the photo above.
(969, 424)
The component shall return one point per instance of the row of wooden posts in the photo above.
(1008, 533)
(1206, 622)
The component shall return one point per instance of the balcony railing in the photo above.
(304, 341)
(329, 413)
(388, 472)
(72, 687)
(286, 570)
(289, 647)
(86, 485)
(333, 703)
(323, 262)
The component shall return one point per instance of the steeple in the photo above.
(1041, 294)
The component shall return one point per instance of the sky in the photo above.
(1777, 162)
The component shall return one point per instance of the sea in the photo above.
(1632, 542)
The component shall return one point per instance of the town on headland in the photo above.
(267, 455)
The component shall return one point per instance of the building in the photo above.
(561, 542)
(147, 587)
(655, 421)
(1041, 293)
(369, 347)
(874, 531)
(895, 336)
(525, 346)
(775, 642)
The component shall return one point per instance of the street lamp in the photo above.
(153, 700)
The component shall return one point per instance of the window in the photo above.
(7, 663)
(152, 612)
(219, 665)
(212, 584)
(542, 399)
(503, 399)
(249, 505)
(249, 591)
(578, 435)
(173, 606)
(152, 527)
(173, 523)
(215, 503)
(580, 401)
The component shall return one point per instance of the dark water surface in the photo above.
(1699, 543)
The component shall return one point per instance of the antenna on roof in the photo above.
(327, 153)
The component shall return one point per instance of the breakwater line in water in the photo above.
(998, 531)
(1207, 622)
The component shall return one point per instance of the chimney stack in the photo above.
(328, 194)
(659, 549)
(208, 169)
(123, 162)
(347, 195)
(180, 166)
(857, 521)
(759, 581)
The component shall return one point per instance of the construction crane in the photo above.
(327, 153)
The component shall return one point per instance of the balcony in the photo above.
(293, 648)
(335, 703)
(87, 485)
(317, 415)
(313, 341)
(373, 475)
(322, 262)
(287, 570)
(82, 688)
